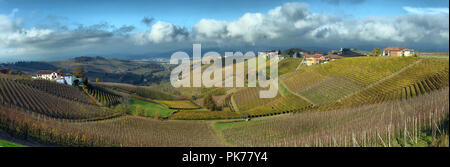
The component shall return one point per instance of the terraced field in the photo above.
(397, 123)
(60, 90)
(122, 131)
(143, 91)
(103, 96)
(248, 98)
(362, 101)
(330, 90)
(23, 97)
(420, 78)
(360, 70)
(178, 104)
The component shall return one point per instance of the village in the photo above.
(319, 58)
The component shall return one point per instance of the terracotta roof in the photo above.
(4, 71)
(394, 48)
(313, 56)
(334, 56)
(45, 72)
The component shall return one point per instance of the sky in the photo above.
(56, 30)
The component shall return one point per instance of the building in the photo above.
(311, 59)
(332, 57)
(48, 75)
(272, 53)
(397, 51)
(66, 79)
(63, 78)
(5, 71)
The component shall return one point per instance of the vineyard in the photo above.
(420, 78)
(22, 97)
(122, 131)
(142, 91)
(397, 123)
(360, 70)
(60, 90)
(178, 104)
(350, 102)
(330, 90)
(103, 95)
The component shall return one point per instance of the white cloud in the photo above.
(166, 32)
(289, 25)
(422, 11)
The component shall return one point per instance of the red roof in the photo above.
(4, 71)
(45, 72)
(394, 48)
(334, 56)
(317, 55)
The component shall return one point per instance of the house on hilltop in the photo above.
(397, 51)
(311, 59)
(63, 78)
(47, 74)
(5, 71)
(332, 57)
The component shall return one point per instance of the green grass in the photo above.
(222, 125)
(4, 143)
(149, 109)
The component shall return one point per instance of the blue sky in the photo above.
(187, 13)
(56, 24)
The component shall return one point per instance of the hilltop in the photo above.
(108, 70)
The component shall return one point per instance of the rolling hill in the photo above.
(107, 70)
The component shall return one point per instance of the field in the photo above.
(178, 104)
(351, 102)
(142, 91)
(390, 124)
(147, 109)
(23, 97)
(433, 55)
(4, 143)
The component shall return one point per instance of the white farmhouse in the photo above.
(48, 75)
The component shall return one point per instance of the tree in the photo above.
(18, 72)
(376, 52)
(97, 79)
(79, 72)
(209, 103)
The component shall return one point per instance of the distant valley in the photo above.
(107, 70)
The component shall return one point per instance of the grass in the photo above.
(149, 109)
(4, 143)
(178, 104)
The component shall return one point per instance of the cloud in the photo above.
(288, 25)
(162, 32)
(147, 20)
(422, 11)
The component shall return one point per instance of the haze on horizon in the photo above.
(55, 30)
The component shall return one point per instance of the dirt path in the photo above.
(219, 134)
(296, 94)
(300, 64)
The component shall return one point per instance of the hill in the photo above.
(107, 70)
(290, 52)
